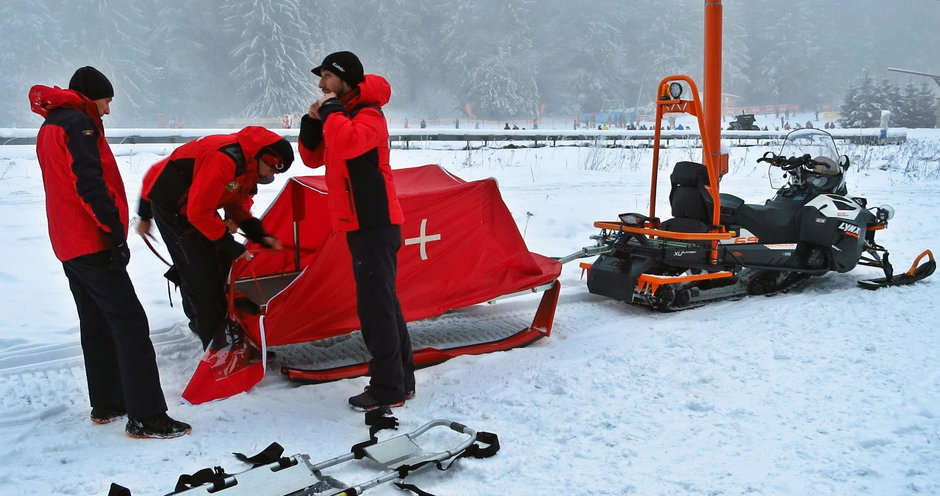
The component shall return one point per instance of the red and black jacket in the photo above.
(85, 199)
(351, 139)
(204, 175)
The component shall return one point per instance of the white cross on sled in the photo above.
(423, 239)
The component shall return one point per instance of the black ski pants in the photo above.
(202, 271)
(120, 363)
(374, 253)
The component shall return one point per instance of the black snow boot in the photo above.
(157, 427)
(105, 415)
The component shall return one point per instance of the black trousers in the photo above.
(202, 271)
(375, 265)
(120, 363)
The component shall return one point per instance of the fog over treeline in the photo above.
(202, 60)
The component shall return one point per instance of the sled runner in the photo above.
(716, 246)
(460, 247)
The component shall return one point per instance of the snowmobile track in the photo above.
(60, 371)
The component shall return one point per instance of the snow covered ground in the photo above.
(829, 390)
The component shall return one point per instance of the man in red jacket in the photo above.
(183, 194)
(346, 131)
(87, 211)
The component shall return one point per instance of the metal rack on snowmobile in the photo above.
(669, 102)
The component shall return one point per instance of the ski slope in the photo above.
(827, 390)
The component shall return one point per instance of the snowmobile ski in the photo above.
(917, 272)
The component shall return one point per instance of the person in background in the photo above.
(87, 210)
(183, 193)
(346, 131)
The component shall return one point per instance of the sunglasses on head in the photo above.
(274, 162)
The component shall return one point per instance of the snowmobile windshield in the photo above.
(819, 145)
(815, 142)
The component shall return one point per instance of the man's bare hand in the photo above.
(272, 243)
(315, 107)
(143, 228)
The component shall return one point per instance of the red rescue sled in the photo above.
(460, 247)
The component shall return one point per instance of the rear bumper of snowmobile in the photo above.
(668, 269)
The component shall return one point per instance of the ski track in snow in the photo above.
(824, 390)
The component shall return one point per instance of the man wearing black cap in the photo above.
(86, 207)
(183, 194)
(346, 131)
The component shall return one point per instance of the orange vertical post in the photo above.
(712, 97)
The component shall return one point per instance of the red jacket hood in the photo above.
(43, 99)
(253, 139)
(373, 90)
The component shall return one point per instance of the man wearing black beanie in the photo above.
(346, 131)
(86, 206)
(91, 83)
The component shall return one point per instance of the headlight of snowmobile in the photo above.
(816, 180)
(635, 220)
(675, 90)
(884, 213)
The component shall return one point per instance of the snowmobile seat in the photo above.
(775, 222)
(729, 205)
(689, 198)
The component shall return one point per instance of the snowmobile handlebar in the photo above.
(789, 163)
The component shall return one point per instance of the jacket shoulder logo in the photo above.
(232, 187)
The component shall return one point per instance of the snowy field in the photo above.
(828, 390)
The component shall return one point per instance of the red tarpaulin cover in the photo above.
(460, 247)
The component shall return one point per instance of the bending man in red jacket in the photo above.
(346, 131)
(183, 194)
(87, 210)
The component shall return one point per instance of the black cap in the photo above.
(345, 65)
(284, 153)
(91, 83)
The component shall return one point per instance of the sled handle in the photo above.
(913, 268)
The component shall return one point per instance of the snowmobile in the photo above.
(716, 246)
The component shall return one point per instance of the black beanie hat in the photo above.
(91, 83)
(282, 149)
(345, 65)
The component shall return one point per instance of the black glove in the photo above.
(253, 229)
(311, 132)
(145, 209)
(120, 253)
(330, 106)
(228, 246)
